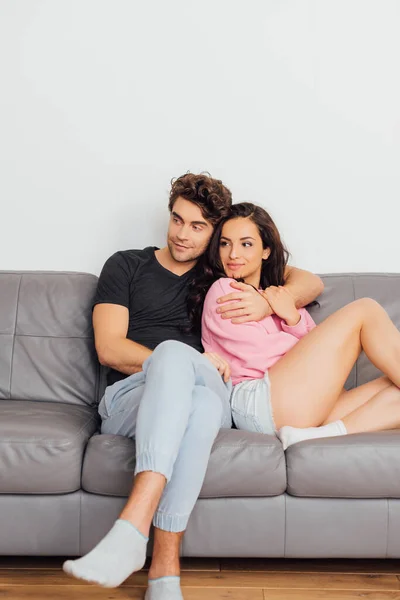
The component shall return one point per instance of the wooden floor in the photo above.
(23, 578)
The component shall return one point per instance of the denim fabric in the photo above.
(251, 406)
(173, 410)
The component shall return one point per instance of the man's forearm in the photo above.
(123, 355)
(303, 286)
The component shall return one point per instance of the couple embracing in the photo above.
(209, 332)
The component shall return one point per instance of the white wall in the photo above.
(294, 104)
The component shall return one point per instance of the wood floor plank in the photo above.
(276, 580)
(71, 592)
(224, 579)
(222, 594)
(328, 595)
(54, 577)
(87, 592)
(41, 578)
(306, 565)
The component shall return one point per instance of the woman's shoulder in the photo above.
(219, 288)
(223, 284)
(210, 317)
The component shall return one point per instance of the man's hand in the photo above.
(245, 305)
(282, 304)
(221, 365)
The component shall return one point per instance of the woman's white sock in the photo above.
(292, 435)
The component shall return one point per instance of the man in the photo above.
(161, 390)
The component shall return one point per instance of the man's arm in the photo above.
(304, 287)
(110, 324)
(246, 304)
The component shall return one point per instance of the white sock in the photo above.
(164, 588)
(292, 435)
(119, 554)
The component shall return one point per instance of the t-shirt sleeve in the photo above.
(114, 282)
(303, 327)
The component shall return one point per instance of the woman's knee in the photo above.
(366, 305)
(364, 308)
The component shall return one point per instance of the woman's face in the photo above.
(241, 250)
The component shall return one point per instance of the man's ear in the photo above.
(266, 253)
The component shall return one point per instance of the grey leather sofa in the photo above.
(62, 484)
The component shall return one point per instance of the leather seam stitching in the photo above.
(356, 363)
(285, 526)
(14, 336)
(57, 443)
(53, 337)
(387, 527)
(290, 492)
(90, 489)
(80, 522)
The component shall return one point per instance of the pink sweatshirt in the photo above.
(249, 348)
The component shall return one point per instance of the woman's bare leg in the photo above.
(306, 383)
(380, 413)
(350, 400)
(377, 413)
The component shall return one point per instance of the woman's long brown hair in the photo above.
(209, 268)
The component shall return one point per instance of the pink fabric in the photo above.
(249, 348)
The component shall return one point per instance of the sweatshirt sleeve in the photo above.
(304, 326)
(221, 335)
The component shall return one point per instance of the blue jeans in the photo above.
(173, 410)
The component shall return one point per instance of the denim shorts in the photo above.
(251, 406)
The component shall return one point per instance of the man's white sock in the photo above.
(121, 552)
(164, 588)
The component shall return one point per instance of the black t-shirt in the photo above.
(155, 298)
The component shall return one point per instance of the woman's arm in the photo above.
(304, 326)
(221, 335)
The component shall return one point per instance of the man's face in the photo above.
(188, 232)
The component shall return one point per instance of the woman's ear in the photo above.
(266, 253)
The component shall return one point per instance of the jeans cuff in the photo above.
(167, 522)
(156, 462)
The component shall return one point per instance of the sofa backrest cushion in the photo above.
(46, 338)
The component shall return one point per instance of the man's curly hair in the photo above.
(212, 197)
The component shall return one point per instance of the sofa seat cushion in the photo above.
(363, 465)
(241, 464)
(42, 446)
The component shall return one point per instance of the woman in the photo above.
(288, 374)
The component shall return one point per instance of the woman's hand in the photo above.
(220, 364)
(282, 304)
